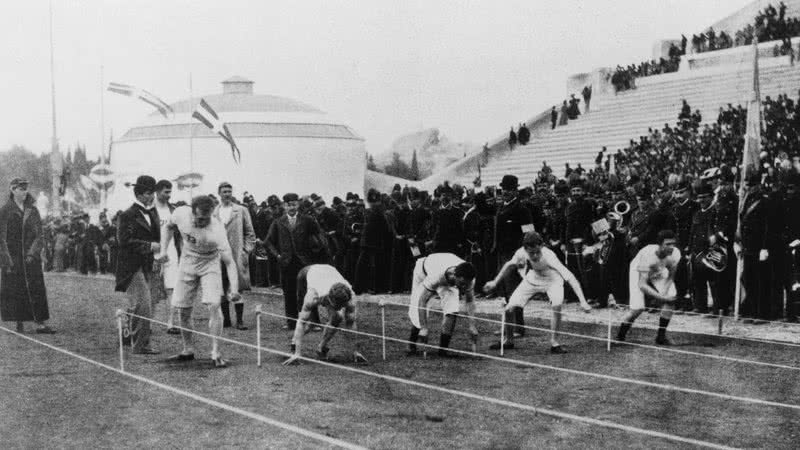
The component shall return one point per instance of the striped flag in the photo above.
(204, 113)
(750, 158)
(142, 95)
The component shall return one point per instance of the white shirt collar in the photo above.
(148, 208)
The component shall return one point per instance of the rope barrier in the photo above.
(210, 402)
(640, 325)
(633, 344)
(668, 387)
(778, 322)
(473, 396)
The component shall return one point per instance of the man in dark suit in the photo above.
(448, 226)
(138, 236)
(294, 239)
(369, 276)
(752, 239)
(511, 222)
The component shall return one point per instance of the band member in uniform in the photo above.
(701, 236)
(683, 209)
(577, 234)
(752, 241)
(204, 250)
(449, 277)
(542, 273)
(652, 275)
(323, 285)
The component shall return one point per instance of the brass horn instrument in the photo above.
(622, 207)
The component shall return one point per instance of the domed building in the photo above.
(286, 146)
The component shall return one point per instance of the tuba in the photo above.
(715, 258)
(622, 207)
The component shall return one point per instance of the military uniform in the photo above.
(754, 235)
(683, 214)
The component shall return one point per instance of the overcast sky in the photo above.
(385, 67)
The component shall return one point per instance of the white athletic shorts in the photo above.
(449, 296)
(187, 285)
(532, 285)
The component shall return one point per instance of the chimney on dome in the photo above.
(237, 85)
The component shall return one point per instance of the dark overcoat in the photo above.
(22, 293)
(134, 236)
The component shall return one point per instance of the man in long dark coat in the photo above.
(23, 296)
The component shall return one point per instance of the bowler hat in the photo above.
(290, 197)
(145, 183)
(509, 182)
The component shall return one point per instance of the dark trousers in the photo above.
(755, 280)
(682, 284)
(507, 287)
(401, 266)
(702, 279)
(289, 285)
(370, 271)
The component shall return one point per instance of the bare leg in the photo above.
(555, 325)
(215, 328)
(187, 336)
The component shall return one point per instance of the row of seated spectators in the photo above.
(769, 25)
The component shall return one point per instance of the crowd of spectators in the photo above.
(771, 24)
(375, 241)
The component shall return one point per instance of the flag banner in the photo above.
(750, 159)
(205, 114)
(141, 94)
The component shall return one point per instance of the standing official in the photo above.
(22, 292)
(291, 239)
(242, 239)
(512, 220)
(138, 238)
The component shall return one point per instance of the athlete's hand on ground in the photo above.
(294, 359)
(359, 358)
(489, 287)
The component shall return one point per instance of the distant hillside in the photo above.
(434, 151)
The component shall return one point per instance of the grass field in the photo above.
(53, 400)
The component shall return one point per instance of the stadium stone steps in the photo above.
(619, 118)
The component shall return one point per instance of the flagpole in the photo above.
(191, 138)
(750, 155)
(55, 156)
(103, 158)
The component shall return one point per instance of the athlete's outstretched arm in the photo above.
(570, 278)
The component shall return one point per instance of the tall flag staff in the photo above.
(750, 159)
(56, 164)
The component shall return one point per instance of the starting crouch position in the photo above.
(542, 273)
(322, 285)
(205, 244)
(652, 275)
(449, 277)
